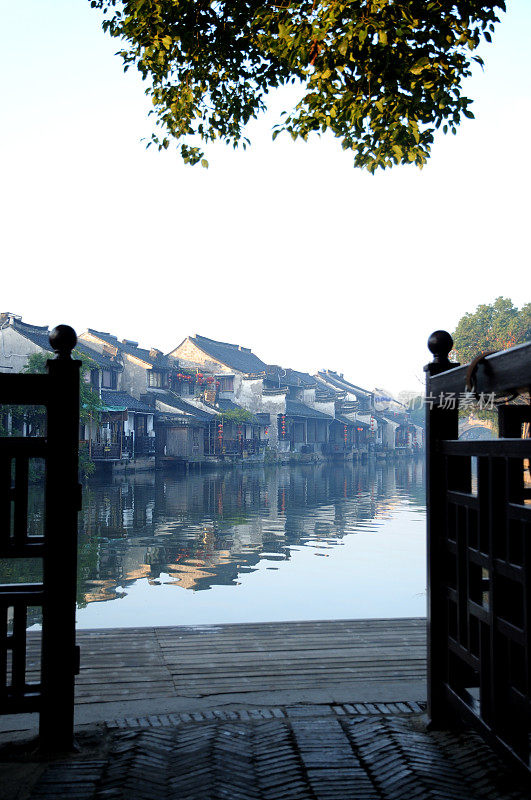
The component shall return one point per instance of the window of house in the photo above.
(108, 379)
(226, 384)
(157, 379)
(140, 425)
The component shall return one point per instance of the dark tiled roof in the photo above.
(324, 390)
(232, 355)
(103, 361)
(121, 401)
(227, 405)
(354, 423)
(35, 333)
(172, 400)
(160, 361)
(39, 336)
(336, 380)
(289, 377)
(296, 409)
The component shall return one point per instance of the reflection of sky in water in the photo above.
(287, 543)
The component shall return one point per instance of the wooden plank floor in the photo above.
(200, 661)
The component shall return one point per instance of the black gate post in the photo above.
(63, 501)
(441, 423)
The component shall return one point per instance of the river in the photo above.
(250, 545)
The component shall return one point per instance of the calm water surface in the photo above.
(249, 545)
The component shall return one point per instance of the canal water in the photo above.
(251, 545)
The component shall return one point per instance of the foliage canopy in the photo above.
(497, 326)
(238, 415)
(381, 75)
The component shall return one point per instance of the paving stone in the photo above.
(314, 752)
(309, 711)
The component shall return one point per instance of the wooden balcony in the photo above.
(105, 451)
(234, 447)
(144, 445)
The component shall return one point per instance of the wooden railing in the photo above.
(144, 445)
(101, 451)
(234, 446)
(479, 551)
(53, 694)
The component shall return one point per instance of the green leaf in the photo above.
(209, 68)
(420, 65)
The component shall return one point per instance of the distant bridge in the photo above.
(471, 429)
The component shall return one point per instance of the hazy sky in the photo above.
(285, 248)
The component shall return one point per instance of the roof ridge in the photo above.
(216, 341)
(18, 323)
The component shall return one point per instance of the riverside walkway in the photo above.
(323, 661)
(305, 710)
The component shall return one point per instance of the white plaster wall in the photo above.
(273, 404)
(15, 350)
(134, 378)
(91, 341)
(325, 407)
(250, 394)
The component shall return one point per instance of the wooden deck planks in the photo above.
(196, 661)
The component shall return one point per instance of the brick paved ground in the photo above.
(321, 752)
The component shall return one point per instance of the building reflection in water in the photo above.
(208, 529)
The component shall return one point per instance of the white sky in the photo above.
(285, 248)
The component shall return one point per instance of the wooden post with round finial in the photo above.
(63, 501)
(441, 423)
(63, 339)
(440, 344)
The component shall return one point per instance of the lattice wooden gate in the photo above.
(55, 546)
(479, 550)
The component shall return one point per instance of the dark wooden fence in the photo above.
(55, 547)
(479, 549)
